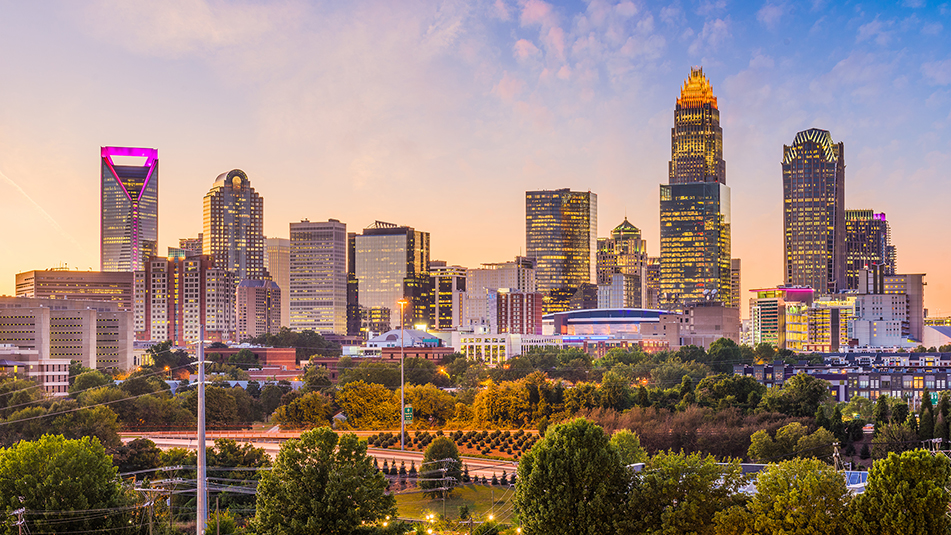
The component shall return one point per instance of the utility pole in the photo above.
(217, 517)
(202, 513)
(402, 303)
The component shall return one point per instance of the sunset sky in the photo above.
(441, 114)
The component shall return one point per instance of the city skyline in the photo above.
(463, 110)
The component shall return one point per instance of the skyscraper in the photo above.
(561, 234)
(390, 263)
(484, 283)
(695, 204)
(277, 262)
(867, 243)
(814, 211)
(449, 295)
(318, 276)
(234, 226)
(128, 224)
(624, 254)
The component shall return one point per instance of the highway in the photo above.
(477, 467)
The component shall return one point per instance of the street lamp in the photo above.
(402, 303)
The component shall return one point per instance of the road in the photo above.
(477, 467)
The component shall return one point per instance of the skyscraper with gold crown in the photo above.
(695, 203)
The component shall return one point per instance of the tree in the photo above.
(441, 468)
(614, 391)
(59, 475)
(681, 493)
(926, 417)
(89, 380)
(628, 447)
(322, 484)
(764, 353)
(893, 438)
(270, 399)
(310, 410)
(572, 481)
(723, 355)
(223, 522)
(138, 454)
(800, 396)
(905, 493)
(369, 405)
(801, 496)
(244, 359)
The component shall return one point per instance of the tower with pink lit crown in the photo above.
(129, 208)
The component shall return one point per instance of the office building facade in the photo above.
(484, 282)
(868, 240)
(695, 213)
(258, 308)
(449, 295)
(128, 224)
(318, 276)
(277, 262)
(561, 235)
(234, 226)
(624, 254)
(106, 286)
(391, 263)
(175, 296)
(814, 211)
(98, 334)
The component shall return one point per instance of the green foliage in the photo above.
(792, 440)
(244, 358)
(764, 353)
(905, 493)
(724, 354)
(441, 468)
(369, 405)
(31, 423)
(572, 481)
(310, 410)
(307, 342)
(59, 475)
(380, 373)
(431, 406)
(730, 390)
(893, 438)
(223, 522)
(315, 377)
(221, 409)
(800, 396)
(671, 372)
(321, 484)
(801, 496)
(680, 493)
(138, 454)
(628, 447)
(614, 392)
(17, 393)
(89, 380)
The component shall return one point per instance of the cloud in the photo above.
(173, 28)
(508, 87)
(537, 12)
(932, 28)
(525, 49)
(876, 30)
(672, 14)
(714, 33)
(861, 74)
(770, 14)
(709, 7)
(939, 72)
(501, 11)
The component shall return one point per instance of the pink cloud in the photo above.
(508, 87)
(501, 10)
(525, 49)
(556, 41)
(537, 12)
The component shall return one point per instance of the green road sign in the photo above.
(407, 414)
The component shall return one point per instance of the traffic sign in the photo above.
(408, 414)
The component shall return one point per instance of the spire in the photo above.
(696, 91)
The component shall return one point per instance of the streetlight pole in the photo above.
(202, 519)
(402, 303)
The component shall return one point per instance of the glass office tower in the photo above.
(868, 240)
(814, 212)
(695, 263)
(561, 234)
(129, 208)
(318, 276)
(389, 263)
(234, 226)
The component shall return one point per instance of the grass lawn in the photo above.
(477, 497)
